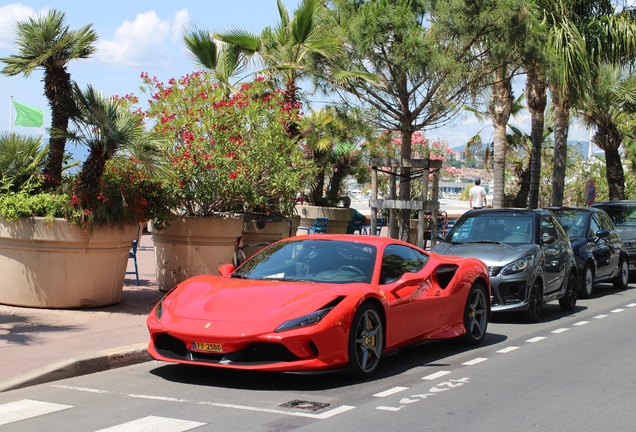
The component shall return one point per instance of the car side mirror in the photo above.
(440, 237)
(547, 239)
(602, 233)
(226, 270)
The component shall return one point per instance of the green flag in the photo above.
(28, 116)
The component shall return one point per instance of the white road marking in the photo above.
(561, 330)
(617, 310)
(580, 323)
(387, 408)
(631, 305)
(536, 339)
(406, 401)
(390, 392)
(436, 375)
(320, 416)
(600, 316)
(507, 349)
(154, 424)
(27, 408)
(475, 361)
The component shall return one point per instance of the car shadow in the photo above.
(551, 312)
(425, 355)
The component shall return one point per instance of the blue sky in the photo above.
(136, 36)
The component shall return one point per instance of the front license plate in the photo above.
(205, 346)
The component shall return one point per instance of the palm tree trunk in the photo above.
(536, 97)
(500, 104)
(561, 126)
(58, 90)
(610, 139)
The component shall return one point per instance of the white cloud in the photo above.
(9, 14)
(142, 43)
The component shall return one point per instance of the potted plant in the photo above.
(228, 155)
(68, 247)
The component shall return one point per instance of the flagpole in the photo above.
(10, 113)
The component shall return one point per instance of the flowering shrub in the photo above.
(227, 151)
(126, 194)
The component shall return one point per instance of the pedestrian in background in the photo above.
(477, 196)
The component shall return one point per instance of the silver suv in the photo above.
(528, 254)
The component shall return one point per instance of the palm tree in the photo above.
(583, 35)
(104, 125)
(284, 49)
(21, 159)
(607, 103)
(46, 42)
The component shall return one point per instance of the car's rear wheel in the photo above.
(621, 281)
(535, 303)
(568, 301)
(476, 315)
(366, 339)
(587, 284)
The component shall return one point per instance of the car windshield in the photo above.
(572, 221)
(330, 261)
(493, 228)
(621, 215)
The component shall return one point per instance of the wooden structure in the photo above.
(419, 168)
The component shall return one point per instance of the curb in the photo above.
(81, 365)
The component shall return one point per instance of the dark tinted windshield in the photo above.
(621, 215)
(573, 222)
(494, 228)
(329, 261)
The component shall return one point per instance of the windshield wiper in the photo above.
(238, 276)
(485, 242)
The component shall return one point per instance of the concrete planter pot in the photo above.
(54, 265)
(192, 246)
(266, 230)
(338, 217)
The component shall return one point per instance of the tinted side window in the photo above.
(605, 221)
(547, 228)
(397, 260)
(594, 226)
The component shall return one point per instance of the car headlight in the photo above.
(518, 266)
(303, 321)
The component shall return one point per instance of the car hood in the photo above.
(626, 233)
(215, 298)
(493, 255)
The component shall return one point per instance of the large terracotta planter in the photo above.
(192, 246)
(338, 218)
(265, 230)
(54, 265)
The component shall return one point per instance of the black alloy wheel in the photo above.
(366, 340)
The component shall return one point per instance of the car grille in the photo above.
(493, 271)
(509, 293)
(631, 248)
(171, 347)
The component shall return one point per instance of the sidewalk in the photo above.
(41, 345)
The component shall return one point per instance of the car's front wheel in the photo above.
(535, 302)
(366, 339)
(568, 301)
(476, 315)
(587, 284)
(621, 281)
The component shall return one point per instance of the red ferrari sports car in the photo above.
(321, 302)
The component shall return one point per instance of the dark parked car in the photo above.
(623, 216)
(528, 254)
(598, 249)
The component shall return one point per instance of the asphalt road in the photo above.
(569, 371)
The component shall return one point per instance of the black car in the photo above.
(598, 249)
(623, 216)
(528, 254)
